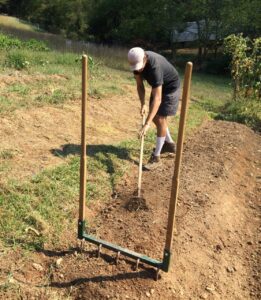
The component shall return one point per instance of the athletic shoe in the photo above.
(168, 147)
(153, 163)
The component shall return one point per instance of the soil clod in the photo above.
(136, 203)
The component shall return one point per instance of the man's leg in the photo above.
(168, 137)
(169, 145)
(161, 124)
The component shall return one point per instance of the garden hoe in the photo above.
(137, 202)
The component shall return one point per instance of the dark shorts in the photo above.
(169, 104)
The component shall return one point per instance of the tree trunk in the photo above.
(173, 50)
(200, 54)
(205, 53)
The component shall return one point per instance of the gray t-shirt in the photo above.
(158, 71)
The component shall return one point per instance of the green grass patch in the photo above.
(8, 42)
(43, 89)
(247, 112)
(15, 23)
(39, 210)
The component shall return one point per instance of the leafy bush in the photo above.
(242, 111)
(36, 45)
(245, 65)
(8, 42)
(16, 60)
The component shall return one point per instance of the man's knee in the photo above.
(159, 120)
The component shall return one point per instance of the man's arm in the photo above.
(141, 92)
(156, 101)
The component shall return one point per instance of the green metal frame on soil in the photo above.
(82, 235)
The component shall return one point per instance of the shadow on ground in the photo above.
(97, 151)
(93, 150)
(108, 157)
(143, 272)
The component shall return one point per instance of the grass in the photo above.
(6, 154)
(15, 23)
(54, 78)
(114, 57)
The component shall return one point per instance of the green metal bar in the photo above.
(166, 261)
(124, 251)
(81, 227)
(164, 265)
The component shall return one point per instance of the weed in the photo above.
(20, 89)
(6, 154)
(8, 42)
(56, 97)
(17, 60)
(6, 104)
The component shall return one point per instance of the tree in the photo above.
(122, 21)
(245, 65)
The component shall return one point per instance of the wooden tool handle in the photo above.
(141, 158)
(83, 171)
(175, 180)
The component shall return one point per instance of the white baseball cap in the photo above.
(135, 58)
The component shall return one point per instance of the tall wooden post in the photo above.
(83, 171)
(175, 179)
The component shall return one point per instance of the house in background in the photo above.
(198, 34)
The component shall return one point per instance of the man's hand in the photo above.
(143, 110)
(144, 130)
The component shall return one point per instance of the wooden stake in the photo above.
(83, 141)
(175, 179)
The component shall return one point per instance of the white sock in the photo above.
(168, 137)
(159, 145)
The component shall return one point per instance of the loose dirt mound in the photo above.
(215, 252)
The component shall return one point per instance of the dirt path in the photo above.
(216, 244)
(29, 137)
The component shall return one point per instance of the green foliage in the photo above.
(243, 111)
(6, 154)
(16, 60)
(15, 57)
(8, 43)
(65, 17)
(56, 97)
(245, 65)
(35, 45)
(139, 22)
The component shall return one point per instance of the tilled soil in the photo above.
(217, 235)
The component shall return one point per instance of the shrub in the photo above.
(242, 111)
(245, 65)
(36, 45)
(16, 60)
(8, 42)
